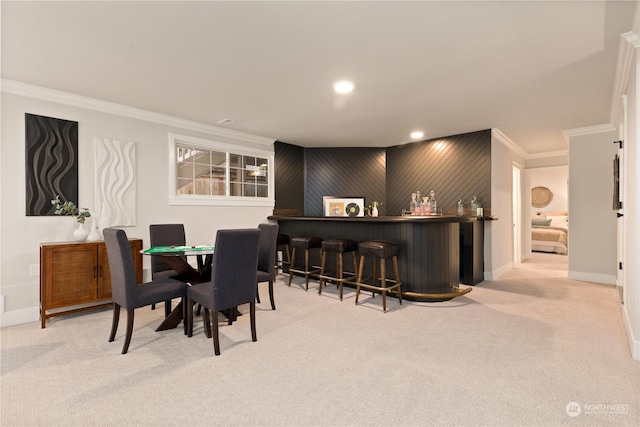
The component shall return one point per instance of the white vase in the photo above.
(81, 233)
(95, 235)
(374, 211)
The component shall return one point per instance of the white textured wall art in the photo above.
(115, 183)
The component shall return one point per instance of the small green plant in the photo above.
(70, 209)
(374, 204)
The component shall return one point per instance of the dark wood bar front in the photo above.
(429, 247)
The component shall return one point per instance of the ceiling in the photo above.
(530, 69)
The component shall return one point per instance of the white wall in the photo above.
(555, 179)
(592, 220)
(21, 236)
(499, 234)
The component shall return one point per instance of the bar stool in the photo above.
(339, 247)
(283, 240)
(379, 250)
(305, 243)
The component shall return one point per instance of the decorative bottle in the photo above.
(412, 205)
(474, 205)
(418, 209)
(434, 204)
(426, 206)
(460, 208)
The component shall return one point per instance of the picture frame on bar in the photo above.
(343, 206)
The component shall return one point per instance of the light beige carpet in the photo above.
(533, 348)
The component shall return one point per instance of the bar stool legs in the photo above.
(339, 246)
(379, 250)
(306, 244)
(283, 240)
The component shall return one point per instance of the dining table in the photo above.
(176, 256)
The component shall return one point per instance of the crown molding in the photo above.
(504, 139)
(24, 89)
(548, 154)
(589, 130)
(626, 46)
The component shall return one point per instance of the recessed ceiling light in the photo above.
(343, 86)
(417, 134)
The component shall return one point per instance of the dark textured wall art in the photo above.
(51, 155)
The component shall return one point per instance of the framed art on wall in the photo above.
(343, 206)
(51, 155)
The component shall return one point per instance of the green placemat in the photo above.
(164, 249)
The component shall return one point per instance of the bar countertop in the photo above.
(398, 219)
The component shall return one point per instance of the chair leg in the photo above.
(189, 318)
(185, 322)
(114, 323)
(207, 322)
(216, 338)
(127, 339)
(258, 293)
(252, 311)
(293, 258)
(273, 304)
(167, 308)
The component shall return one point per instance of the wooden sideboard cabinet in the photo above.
(76, 277)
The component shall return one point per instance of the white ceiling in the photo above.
(530, 69)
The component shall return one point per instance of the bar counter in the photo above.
(428, 247)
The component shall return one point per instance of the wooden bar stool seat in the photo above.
(306, 244)
(339, 247)
(379, 251)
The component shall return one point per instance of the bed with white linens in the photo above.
(549, 232)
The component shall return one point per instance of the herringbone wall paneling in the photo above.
(344, 172)
(455, 167)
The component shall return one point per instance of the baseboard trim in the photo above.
(592, 277)
(634, 343)
(495, 274)
(18, 317)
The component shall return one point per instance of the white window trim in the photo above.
(202, 200)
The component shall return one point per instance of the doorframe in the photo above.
(621, 222)
(516, 211)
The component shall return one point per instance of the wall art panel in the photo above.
(115, 183)
(51, 155)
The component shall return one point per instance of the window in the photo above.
(207, 172)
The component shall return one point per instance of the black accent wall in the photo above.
(289, 176)
(344, 172)
(455, 167)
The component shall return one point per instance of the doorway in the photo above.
(516, 213)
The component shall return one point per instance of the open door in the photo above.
(619, 191)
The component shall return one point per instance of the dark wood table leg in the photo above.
(173, 319)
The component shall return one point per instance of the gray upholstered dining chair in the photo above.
(267, 258)
(233, 281)
(164, 235)
(126, 292)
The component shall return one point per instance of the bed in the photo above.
(549, 233)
